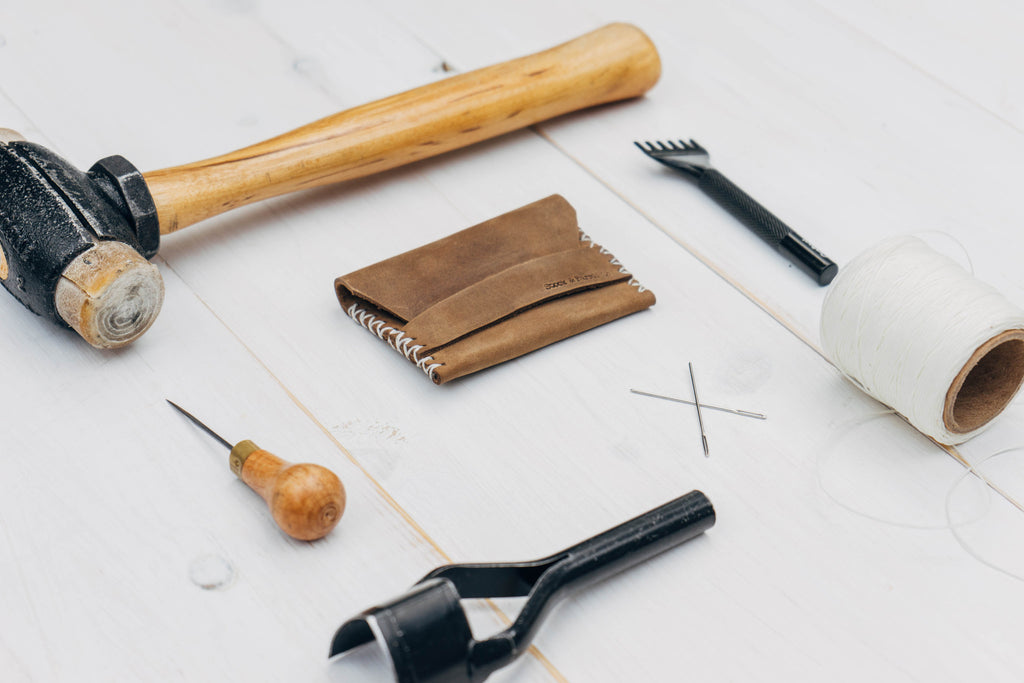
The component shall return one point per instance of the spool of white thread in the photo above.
(923, 336)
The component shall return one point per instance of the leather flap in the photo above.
(408, 284)
(511, 291)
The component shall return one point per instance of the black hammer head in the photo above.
(60, 224)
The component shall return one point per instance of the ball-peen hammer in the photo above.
(74, 246)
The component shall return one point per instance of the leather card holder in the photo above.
(492, 292)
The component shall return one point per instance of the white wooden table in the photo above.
(831, 559)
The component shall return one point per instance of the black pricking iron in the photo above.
(694, 161)
(427, 635)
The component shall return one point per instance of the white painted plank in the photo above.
(517, 461)
(973, 49)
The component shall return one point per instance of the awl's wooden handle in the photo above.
(305, 500)
(612, 63)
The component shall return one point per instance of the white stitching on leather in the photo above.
(395, 338)
(584, 237)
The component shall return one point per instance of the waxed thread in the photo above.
(907, 393)
(902, 320)
(972, 469)
(960, 245)
(633, 282)
(395, 338)
(954, 526)
(825, 456)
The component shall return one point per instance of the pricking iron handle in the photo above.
(766, 226)
(427, 636)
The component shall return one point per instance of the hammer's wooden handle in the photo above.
(612, 63)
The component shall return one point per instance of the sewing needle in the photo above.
(700, 419)
(705, 406)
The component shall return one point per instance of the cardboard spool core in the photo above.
(986, 384)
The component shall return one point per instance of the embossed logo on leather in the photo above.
(575, 279)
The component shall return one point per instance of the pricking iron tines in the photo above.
(426, 633)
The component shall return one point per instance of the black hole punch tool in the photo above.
(427, 636)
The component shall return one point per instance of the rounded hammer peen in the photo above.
(74, 246)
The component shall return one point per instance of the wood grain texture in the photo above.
(609, 64)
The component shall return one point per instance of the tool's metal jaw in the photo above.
(425, 633)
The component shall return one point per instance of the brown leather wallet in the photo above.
(492, 292)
